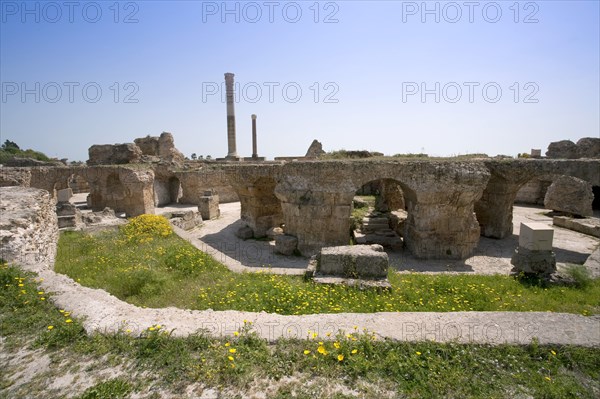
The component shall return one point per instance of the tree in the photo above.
(194, 156)
(10, 145)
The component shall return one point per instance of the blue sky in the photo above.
(351, 74)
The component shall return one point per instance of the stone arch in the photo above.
(167, 190)
(260, 208)
(175, 190)
(78, 183)
(494, 209)
(395, 201)
(317, 197)
(383, 220)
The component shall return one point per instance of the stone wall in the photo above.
(129, 190)
(147, 149)
(162, 147)
(114, 154)
(195, 182)
(15, 177)
(28, 226)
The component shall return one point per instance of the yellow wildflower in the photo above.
(50, 327)
(306, 352)
(340, 358)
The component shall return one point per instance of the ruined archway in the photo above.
(260, 208)
(596, 203)
(379, 214)
(175, 191)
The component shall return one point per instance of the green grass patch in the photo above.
(168, 271)
(356, 360)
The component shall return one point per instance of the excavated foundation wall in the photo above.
(28, 226)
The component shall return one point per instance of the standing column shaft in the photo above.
(229, 91)
(254, 151)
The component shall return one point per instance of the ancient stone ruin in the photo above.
(431, 208)
(146, 149)
(587, 147)
(365, 266)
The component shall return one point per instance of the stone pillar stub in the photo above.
(209, 206)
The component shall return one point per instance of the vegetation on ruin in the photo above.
(155, 362)
(10, 150)
(373, 155)
(147, 266)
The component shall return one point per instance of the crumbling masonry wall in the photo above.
(28, 227)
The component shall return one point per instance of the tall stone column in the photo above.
(229, 92)
(254, 151)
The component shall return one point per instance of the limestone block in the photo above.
(571, 195)
(286, 245)
(209, 206)
(353, 261)
(533, 262)
(64, 195)
(536, 237)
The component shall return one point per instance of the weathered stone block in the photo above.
(542, 263)
(64, 195)
(109, 154)
(286, 245)
(571, 195)
(536, 237)
(353, 261)
(209, 206)
(590, 226)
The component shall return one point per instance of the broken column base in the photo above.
(540, 262)
(361, 266)
(209, 206)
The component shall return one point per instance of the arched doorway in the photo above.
(379, 214)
